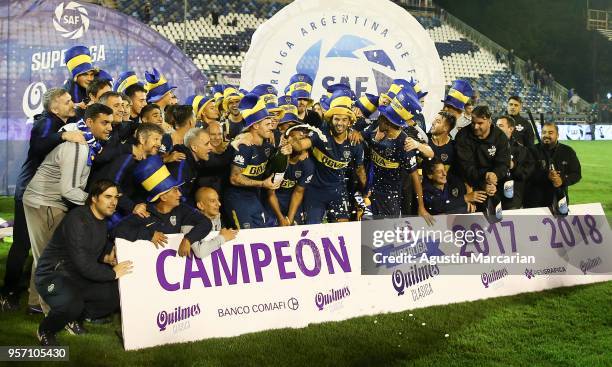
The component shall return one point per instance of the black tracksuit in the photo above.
(186, 171)
(120, 172)
(475, 157)
(523, 166)
(541, 190)
(134, 228)
(43, 139)
(70, 276)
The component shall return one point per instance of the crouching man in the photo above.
(77, 272)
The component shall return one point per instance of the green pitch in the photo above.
(565, 326)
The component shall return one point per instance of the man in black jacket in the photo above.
(556, 165)
(483, 154)
(523, 129)
(77, 272)
(58, 108)
(521, 165)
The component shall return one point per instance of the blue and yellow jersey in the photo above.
(333, 160)
(298, 174)
(388, 158)
(445, 153)
(252, 161)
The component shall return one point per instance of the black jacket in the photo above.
(134, 228)
(43, 139)
(523, 131)
(523, 167)
(475, 157)
(77, 247)
(215, 171)
(541, 190)
(186, 171)
(120, 172)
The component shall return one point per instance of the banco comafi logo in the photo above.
(71, 20)
(355, 53)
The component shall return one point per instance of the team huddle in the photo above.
(124, 159)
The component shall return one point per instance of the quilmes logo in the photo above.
(71, 20)
(416, 274)
(32, 101)
(333, 295)
(167, 318)
(493, 276)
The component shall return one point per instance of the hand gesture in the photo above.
(138, 153)
(268, 184)
(184, 248)
(228, 234)
(355, 137)
(123, 268)
(141, 210)
(490, 189)
(159, 239)
(74, 137)
(425, 214)
(111, 259)
(174, 157)
(475, 197)
(286, 148)
(411, 144)
(491, 178)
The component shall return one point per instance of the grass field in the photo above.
(564, 326)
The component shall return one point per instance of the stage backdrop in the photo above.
(292, 276)
(366, 44)
(33, 37)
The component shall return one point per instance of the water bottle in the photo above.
(560, 203)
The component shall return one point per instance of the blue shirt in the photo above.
(332, 160)
(445, 153)
(252, 161)
(297, 174)
(388, 159)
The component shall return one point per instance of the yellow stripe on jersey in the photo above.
(327, 161)
(254, 170)
(287, 184)
(383, 162)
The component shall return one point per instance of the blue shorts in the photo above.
(244, 209)
(283, 203)
(318, 201)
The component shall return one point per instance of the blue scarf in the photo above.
(94, 146)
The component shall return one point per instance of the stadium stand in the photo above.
(217, 37)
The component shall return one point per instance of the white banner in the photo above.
(293, 276)
(603, 132)
(363, 43)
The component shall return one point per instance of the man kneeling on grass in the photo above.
(77, 272)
